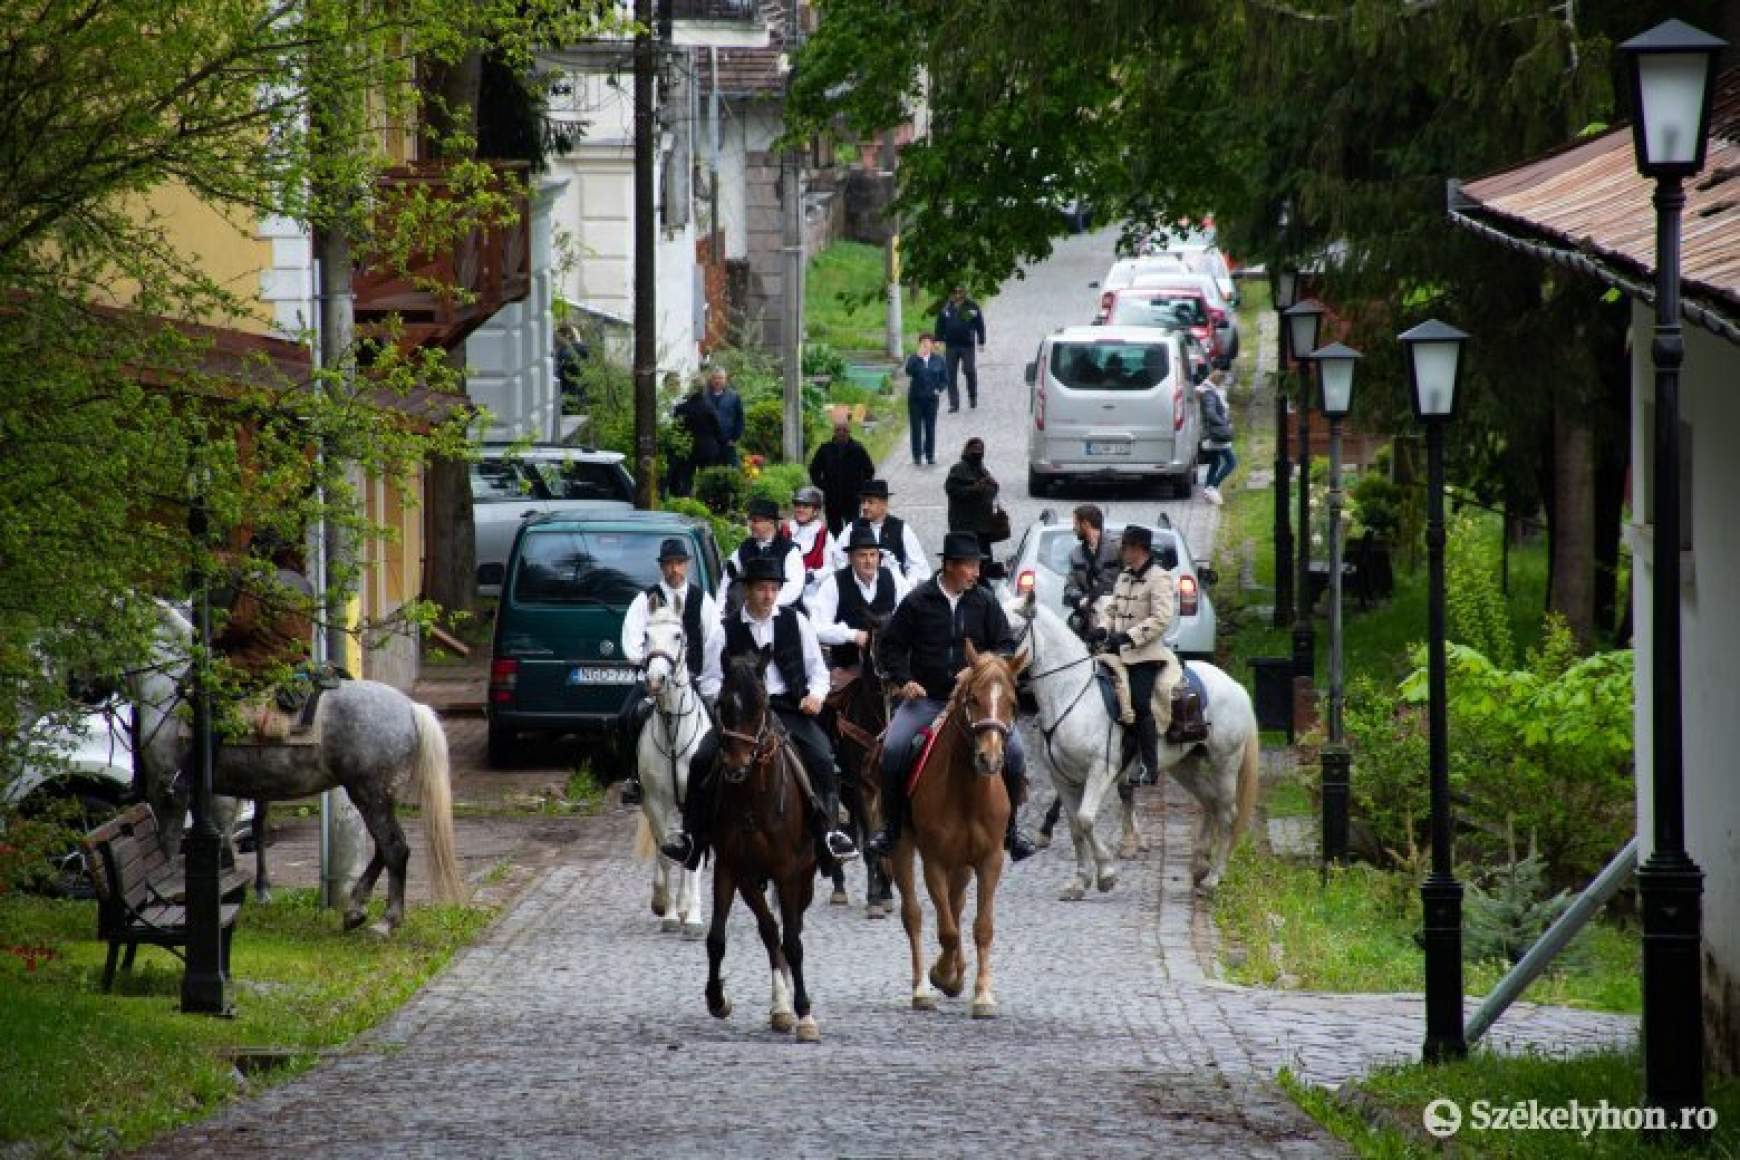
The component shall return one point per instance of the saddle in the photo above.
(1189, 710)
(287, 716)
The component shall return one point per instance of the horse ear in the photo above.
(972, 654)
(654, 601)
(1018, 663)
(677, 605)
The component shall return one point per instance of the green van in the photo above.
(556, 662)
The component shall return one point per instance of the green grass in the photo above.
(89, 1071)
(845, 303)
(1289, 799)
(1550, 1080)
(1354, 932)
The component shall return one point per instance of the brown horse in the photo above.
(857, 718)
(761, 835)
(959, 811)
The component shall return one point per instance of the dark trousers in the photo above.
(1142, 678)
(963, 358)
(921, 425)
(841, 514)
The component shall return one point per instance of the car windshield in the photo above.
(1110, 365)
(563, 567)
(581, 480)
(1055, 547)
(1169, 310)
(493, 481)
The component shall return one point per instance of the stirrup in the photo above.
(632, 793)
(678, 849)
(841, 846)
(1019, 845)
(883, 842)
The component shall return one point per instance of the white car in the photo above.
(1041, 565)
(512, 482)
(1115, 403)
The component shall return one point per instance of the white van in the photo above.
(1114, 403)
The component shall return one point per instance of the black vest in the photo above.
(694, 646)
(892, 538)
(776, 551)
(788, 649)
(855, 613)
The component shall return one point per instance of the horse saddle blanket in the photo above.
(1108, 691)
(287, 717)
(840, 684)
(1189, 710)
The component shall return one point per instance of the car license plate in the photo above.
(1102, 447)
(600, 675)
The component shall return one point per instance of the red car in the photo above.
(1167, 304)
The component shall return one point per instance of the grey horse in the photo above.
(374, 741)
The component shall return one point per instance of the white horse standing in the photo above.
(663, 754)
(1083, 746)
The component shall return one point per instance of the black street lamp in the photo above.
(1335, 365)
(1283, 290)
(1671, 67)
(1304, 320)
(204, 989)
(1434, 368)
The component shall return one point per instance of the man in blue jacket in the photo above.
(924, 384)
(729, 408)
(957, 326)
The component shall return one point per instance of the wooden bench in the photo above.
(140, 896)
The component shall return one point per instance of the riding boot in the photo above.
(841, 847)
(893, 812)
(689, 846)
(632, 722)
(1148, 737)
(1020, 846)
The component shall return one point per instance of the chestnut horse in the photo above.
(958, 814)
(857, 723)
(761, 835)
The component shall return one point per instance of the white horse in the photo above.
(667, 746)
(1083, 746)
(373, 740)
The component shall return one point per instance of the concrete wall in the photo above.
(509, 363)
(1710, 657)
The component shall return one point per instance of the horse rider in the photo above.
(899, 543)
(1094, 563)
(921, 652)
(850, 596)
(766, 541)
(797, 683)
(1133, 620)
(700, 624)
(809, 531)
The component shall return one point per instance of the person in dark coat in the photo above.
(924, 385)
(972, 493)
(571, 356)
(706, 442)
(1094, 564)
(729, 408)
(841, 467)
(959, 323)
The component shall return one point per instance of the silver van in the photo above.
(1112, 403)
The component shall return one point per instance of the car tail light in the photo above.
(504, 675)
(1187, 595)
(1039, 406)
(1216, 315)
(1106, 301)
(1024, 582)
(1178, 410)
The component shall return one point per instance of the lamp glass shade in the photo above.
(1672, 67)
(1285, 288)
(1303, 321)
(1434, 366)
(1335, 373)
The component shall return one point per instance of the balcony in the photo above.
(717, 24)
(439, 299)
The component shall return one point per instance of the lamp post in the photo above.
(1670, 69)
(1335, 364)
(1304, 319)
(203, 985)
(1434, 367)
(1283, 290)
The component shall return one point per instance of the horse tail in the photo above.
(643, 840)
(1247, 789)
(436, 795)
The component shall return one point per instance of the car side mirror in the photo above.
(491, 573)
(1207, 576)
(1031, 373)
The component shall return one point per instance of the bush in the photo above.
(1377, 504)
(1474, 603)
(727, 532)
(779, 482)
(721, 490)
(1506, 919)
(763, 428)
(822, 359)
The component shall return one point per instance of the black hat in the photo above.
(863, 536)
(962, 546)
(675, 548)
(1140, 535)
(763, 509)
(875, 488)
(764, 568)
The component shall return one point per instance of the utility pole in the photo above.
(895, 325)
(791, 191)
(645, 264)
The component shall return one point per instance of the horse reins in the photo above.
(1049, 732)
(679, 678)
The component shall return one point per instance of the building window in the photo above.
(1648, 480)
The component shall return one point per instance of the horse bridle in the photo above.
(679, 678)
(765, 739)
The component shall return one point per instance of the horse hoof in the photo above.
(658, 908)
(1107, 881)
(1198, 874)
(670, 923)
(838, 898)
(354, 919)
(719, 1010)
(876, 910)
(942, 984)
(807, 1031)
(1042, 840)
(1072, 893)
(693, 931)
(924, 1002)
(382, 929)
(1128, 849)
(984, 1008)
(783, 1022)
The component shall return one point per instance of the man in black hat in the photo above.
(849, 596)
(1133, 620)
(921, 652)
(899, 543)
(796, 683)
(766, 542)
(700, 623)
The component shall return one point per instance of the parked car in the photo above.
(1112, 403)
(555, 663)
(510, 482)
(1041, 565)
(1125, 271)
(1145, 300)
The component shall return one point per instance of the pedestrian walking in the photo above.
(1217, 433)
(972, 492)
(925, 373)
(841, 467)
(729, 408)
(958, 325)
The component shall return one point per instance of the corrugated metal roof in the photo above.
(1590, 197)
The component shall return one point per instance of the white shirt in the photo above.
(954, 598)
(790, 592)
(917, 569)
(635, 620)
(761, 631)
(825, 609)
